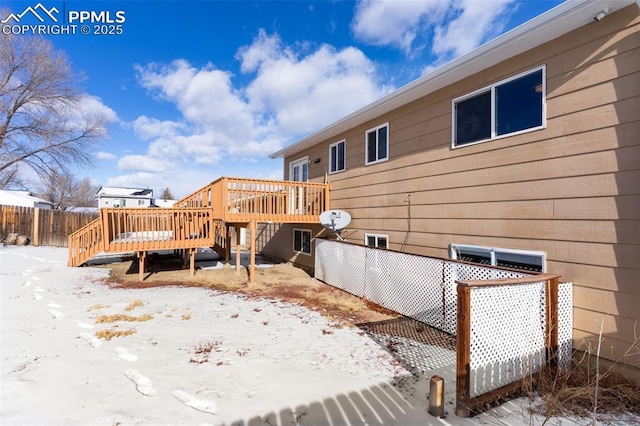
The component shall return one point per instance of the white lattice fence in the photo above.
(506, 324)
(508, 335)
(565, 324)
(459, 271)
(420, 287)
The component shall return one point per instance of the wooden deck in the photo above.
(202, 219)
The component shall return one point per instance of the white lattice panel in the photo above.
(341, 265)
(565, 324)
(408, 284)
(507, 335)
(457, 271)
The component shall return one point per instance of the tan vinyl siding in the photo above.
(276, 240)
(571, 189)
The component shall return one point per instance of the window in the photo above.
(377, 144)
(509, 258)
(337, 156)
(123, 202)
(376, 240)
(508, 107)
(302, 241)
(141, 202)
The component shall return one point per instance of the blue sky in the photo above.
(194, 90)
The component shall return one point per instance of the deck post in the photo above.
(552, 321)
(252, 266)
(227, 243)
(192, 261)
(238, 247)
(142, 255)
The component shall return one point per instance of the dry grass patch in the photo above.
(186, 317)
(96, 307)
(283, 281)
(111, 333)
(121, 317)
(135, 304)
(573, 393)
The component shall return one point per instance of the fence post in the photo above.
(36, 227)
(552, 321)
(463, 351)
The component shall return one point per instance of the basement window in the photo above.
(376, 240)
(525, 260)
(302, 241)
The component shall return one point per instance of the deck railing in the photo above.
(238, 200)
(85, 243)
(143, 229)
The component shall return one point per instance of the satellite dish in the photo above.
(335, 220)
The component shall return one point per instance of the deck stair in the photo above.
(202, 219)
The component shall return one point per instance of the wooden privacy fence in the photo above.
(44, 227)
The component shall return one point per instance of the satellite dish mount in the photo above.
(335, 220)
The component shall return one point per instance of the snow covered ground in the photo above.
(194, 356)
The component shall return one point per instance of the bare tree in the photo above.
(58, 187)
(84, 194)
(42, 122)
(166, 194)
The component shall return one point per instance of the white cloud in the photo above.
(476, 22)
(93, 106)
(299, 93)
(149, 128)
(396, 23)
(143, 163)
(292, 91)
(102, 155)
(452, 27)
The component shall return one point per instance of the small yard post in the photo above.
(552, 321)
(463, 350)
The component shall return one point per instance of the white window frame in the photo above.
(493, 253)
(366, 145)
(344, 162)
(293, 245)
(492, 88)
(377, 237)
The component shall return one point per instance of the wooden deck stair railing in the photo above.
(202, 219)
(85, 243)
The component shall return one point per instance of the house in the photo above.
(23, 199)
(158, 202)
(109, 196)
(524, 152)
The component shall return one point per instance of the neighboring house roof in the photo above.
(163, 203)
(21, 198)
(560, 20)
(82, 209)
(113, 191)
